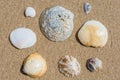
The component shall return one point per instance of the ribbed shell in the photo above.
(69, 66)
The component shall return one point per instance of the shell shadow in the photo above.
(21, 70)
(90, 66)
(76, 35)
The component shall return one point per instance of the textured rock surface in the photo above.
(57, 23)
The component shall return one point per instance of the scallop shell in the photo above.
(30, 12)
(57, 23)
(94, 64)
(22, 38)
(93, 33)
(69, 66)
(34, 65)
(87, 8)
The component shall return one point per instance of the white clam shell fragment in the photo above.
(69, 66)
(93, 33)
(34, 65)
(94, 64)
(30, 12)
(57, 23)
(22, 38)
(87, 8)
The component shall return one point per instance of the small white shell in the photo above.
(69, 66)
(87, 8)
(35, 65)
(22, 38)
(94, 64)
(30, 12)
(93, 33)
(57, 23)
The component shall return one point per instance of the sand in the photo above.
(12, 17)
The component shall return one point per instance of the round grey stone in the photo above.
(57, 23)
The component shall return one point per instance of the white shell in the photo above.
(69, 66)
(94, 64)
(30, 12)
(22, 38)
(57, 23)
(87, 8)
(34, 65)
(93, 33)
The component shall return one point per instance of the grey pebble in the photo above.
(56, 23)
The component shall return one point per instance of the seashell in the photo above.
(94, 64)
(22, 38)
(93, 33)
(34, 65)
(30, 12)
(87, 8)
(69, 66)
(57, 23)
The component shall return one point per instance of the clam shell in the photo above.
(69, 66)
(30, 12)
(94, 64)
(34, 65)
(57, 23)
(22, 38)
(93, 33)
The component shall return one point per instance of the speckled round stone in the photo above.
(56, 23)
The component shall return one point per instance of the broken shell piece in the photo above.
(22, 38)
(93, 33)
(57, 23)
(94, 64)
(34, 65)
(87, 8)
(69, 66)
(30, 12)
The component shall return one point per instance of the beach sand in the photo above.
(11, 59)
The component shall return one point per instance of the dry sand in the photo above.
(12, 16)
